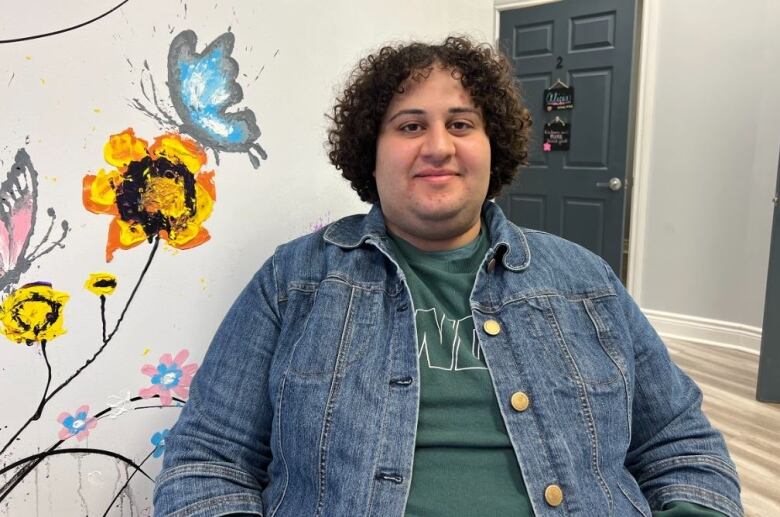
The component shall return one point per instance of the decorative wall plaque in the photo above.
(559, 96)
(556, 136)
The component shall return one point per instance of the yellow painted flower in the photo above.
(33, 313)
(156, 190)
(102, 284)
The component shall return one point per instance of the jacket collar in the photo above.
(507, 241)
(350, 232)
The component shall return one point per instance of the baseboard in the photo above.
(706, 331)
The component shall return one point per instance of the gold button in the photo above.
(492, 327)
(519, 401)
(553, 495)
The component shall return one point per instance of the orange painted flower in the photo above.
(155, 190)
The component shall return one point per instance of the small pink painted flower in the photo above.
(170, 376)
(77, 424)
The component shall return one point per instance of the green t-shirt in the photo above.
(464, 464)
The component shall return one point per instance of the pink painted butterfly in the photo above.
(18, 207)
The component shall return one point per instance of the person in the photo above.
(430, 358)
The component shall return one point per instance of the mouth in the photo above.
(435, 174)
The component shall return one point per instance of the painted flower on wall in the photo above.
(158, 440)
(78, 424)
(170, 377)
(155, 190)
(33, 314)
(101, 284)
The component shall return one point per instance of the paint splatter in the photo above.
(118, 405)
(80, 489)
(260, 72)
(127, 492)
(146, 351)
(320, 223)
(95, 478)
(117, 479)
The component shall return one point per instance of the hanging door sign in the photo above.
(559, 96)
(556, 136)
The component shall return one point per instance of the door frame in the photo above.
(643, 95)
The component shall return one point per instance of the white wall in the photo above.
(68, 93)
(715, 132)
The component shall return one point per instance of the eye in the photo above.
(461, 125)
(411, 127)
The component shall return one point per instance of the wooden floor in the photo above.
(752, 429)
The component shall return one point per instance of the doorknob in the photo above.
(613, 184)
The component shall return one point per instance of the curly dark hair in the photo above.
(485, 75)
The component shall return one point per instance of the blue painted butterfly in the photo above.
(202, 87)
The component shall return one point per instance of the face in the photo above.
(433, 163)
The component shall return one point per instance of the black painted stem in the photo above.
(66, 29)
(103, 315)
(38, 412)
(74, 450)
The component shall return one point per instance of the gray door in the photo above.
(769, 361)
(587, 45)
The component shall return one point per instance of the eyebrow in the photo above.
(452, 111)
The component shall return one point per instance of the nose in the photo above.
(439, 144)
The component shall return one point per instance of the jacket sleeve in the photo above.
(217, 453)
(675, 454)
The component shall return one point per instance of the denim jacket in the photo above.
(306, 403)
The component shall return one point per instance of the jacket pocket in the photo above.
(578, 333)
(337, 320)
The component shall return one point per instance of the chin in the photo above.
(449, 210)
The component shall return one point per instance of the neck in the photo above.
(435, 241)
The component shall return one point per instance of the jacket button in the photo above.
(492, 327)
(491, 265)
(519, 401)
(553, 495)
